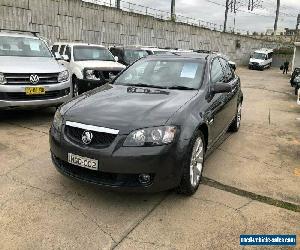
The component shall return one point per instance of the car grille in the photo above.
(104, 75)
(21, 96)
(24, 79)
(99, 139)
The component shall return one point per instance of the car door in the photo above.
(231, 99)
(216, 113)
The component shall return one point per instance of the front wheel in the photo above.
(193, 166)
(236, 123)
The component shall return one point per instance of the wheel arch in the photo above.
(203, 128)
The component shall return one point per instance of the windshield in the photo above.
(23, 47)
(260, 56)
(133, 55)
(164, 73)
(90, 53)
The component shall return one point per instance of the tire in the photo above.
(193, 166)
(296, 90)
(236, 123)
(75, 87)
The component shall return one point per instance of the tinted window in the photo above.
(23, 47)
(216, 74)
(227, 70)
(131, 55)
(54, 49)
(62, 48)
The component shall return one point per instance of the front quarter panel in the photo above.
(77, 70)
(189, 118)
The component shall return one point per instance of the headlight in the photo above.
(63, 76)
(150, 137)
(2, 79)
(57, 121)
(91, 74)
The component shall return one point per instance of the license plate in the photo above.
(35, 90)
(83, 162)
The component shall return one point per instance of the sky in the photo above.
(214, 12)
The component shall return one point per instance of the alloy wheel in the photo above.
(196, 164)
(239, 116)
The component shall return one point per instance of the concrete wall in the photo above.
(74, 20)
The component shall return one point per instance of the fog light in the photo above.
(144, 179)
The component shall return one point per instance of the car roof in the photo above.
(263, 51)
(126, 47)
(183, 55)
(16, 34)
(79, 44)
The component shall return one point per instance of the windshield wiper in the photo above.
(145, 85)
(181, 87)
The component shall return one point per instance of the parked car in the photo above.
(29, 74)
(261, 59)
(295, 80)
(128, 55)
(90, 65)
(151, 128)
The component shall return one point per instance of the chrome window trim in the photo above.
(92, 128)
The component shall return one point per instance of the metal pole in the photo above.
(297, 28)
(226, 15)
(118, 4)
(276, 18)
(173, 16)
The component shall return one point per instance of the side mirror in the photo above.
(221, 87)
(116, 58)
(65, 58)
(57, 56)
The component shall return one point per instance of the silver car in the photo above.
(29, 74)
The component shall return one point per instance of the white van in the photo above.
(90, 65)
(261, 59)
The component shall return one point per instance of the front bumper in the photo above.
(13, 95)
(120, 167)
(256, 66)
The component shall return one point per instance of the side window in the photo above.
(62, 48)
(54, 49)
(216, 74)
(227, 70)
(68, 52)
